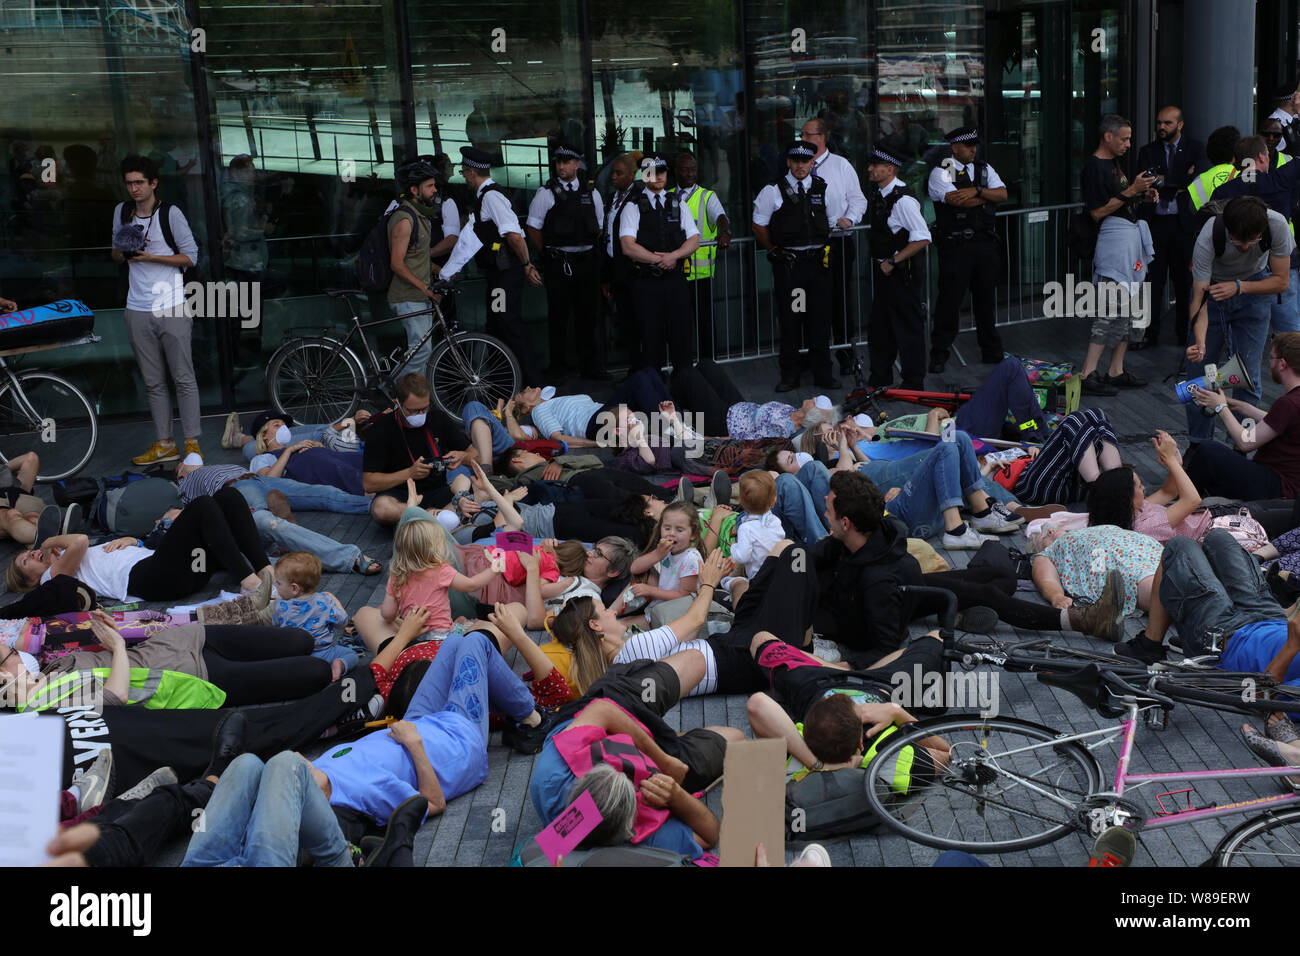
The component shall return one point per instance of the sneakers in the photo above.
(355, 722)
(828, 651)
(969, 540)
(72, 521)
(159, 451)
(1115, 847)
(48, 524)
(995, 522)
(161, 777)
(1105, 618)
(192, 447)
(230, 436)
(685, 490)
(1006, 514)
(719, 492)
(814, 854)
(96, 784)
(1125, 380)
(1096, 384)
(1141, 649)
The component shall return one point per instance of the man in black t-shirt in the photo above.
(1109, 196)
(402, 444)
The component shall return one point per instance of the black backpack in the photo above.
(374, 258)
(1213, 209)
(1081, 237)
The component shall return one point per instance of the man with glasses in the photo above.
(848, 211)
(403, 444)
(1179, 159)
(157, 319)
(1270, 131)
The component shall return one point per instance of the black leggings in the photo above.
(607, 483)
(221, 529)
(991, 587)
(707, 390)
(262, 665)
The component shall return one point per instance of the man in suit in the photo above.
(1179, 159)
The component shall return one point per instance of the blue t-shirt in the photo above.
(375, 774)
(549, 790)
(315, 613)
(568, 415)
(1253, 647)
(319, 466)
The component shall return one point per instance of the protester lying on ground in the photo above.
(1081, 564)
(1082, 447)
(235, 435)
(19, 508)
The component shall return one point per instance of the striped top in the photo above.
(208, 480)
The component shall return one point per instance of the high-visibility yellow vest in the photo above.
(157, 689)
(1204, 185)
(1283, 159)
(702, 258)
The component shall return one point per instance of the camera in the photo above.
(1157, 174)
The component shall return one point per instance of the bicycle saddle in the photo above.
(1099, 691)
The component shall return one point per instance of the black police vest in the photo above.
(660, 230)
(621, 266)
(490, 258)
(980, 220)
(882, 241)
(572, 220)
(800, 221)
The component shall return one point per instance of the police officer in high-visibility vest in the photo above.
(793, 219)
(898, 236)
(706, 209)
(1218, 151)
(965, 193)
(494, 239)
(564, 222)
(659, 235)
(1270, 130)
(617, 270)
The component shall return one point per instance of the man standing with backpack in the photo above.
(157, 320)
(423, 227)
(1240, 263)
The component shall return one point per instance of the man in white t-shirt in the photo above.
(156, 317)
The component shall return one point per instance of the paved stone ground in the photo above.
(465, 834)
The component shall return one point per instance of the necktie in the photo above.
(801, 193)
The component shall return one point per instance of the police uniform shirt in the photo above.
(615, 204)
(713, 210)
(769, 200)
(496, 209)
(544, 201)
(941, 185)
(450, 216)
(1282, 116)
(906, 214)
(630, 224)
(840, 174)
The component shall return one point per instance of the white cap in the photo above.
(863, 420)
(548, 393)
(193, 459)
(823, 402)
(802, 458)
(448, 520)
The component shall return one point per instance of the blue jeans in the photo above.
(1238, 324)
(415, 328)
(263, 814)
(474, 411)
(795, 505)
(929, 482)
(470, 676)
(303, 497)
(297, 433)
(337, 652)
(816, 477)
(1284, 317)
(1006, 389)
(334, 555)
(1215, 585)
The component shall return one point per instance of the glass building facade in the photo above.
(327, 97)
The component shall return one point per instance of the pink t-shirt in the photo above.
(1153, 521)
(427, 589)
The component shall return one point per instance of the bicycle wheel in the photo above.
(472, 368)
(1270, 839)
(1241, 693)
(56, 421)
(314, 381)
(988, 800)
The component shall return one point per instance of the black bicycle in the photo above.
(320, 379)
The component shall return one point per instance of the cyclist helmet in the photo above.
(412, 174)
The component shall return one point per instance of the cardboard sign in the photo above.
(570, 828)
(31, 774)
(514, 541)
(753, 801)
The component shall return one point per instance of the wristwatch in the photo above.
(892, 263)
(1220, 407)
(979, 190)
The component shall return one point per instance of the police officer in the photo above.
(494, 239)
(564, 221)
(793, 222)
(658, 234)
(965, 193)
(706, 209)
(617, 269)
(898, 235)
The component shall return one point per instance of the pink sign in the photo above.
(570, 828)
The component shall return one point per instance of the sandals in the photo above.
(366, 565)
(1269, 752)
(1282, 730)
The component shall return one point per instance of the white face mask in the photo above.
(283, 435)
(416, 421)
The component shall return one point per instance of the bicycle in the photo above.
(319, 379)
(42, 411)
(1013, 785)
